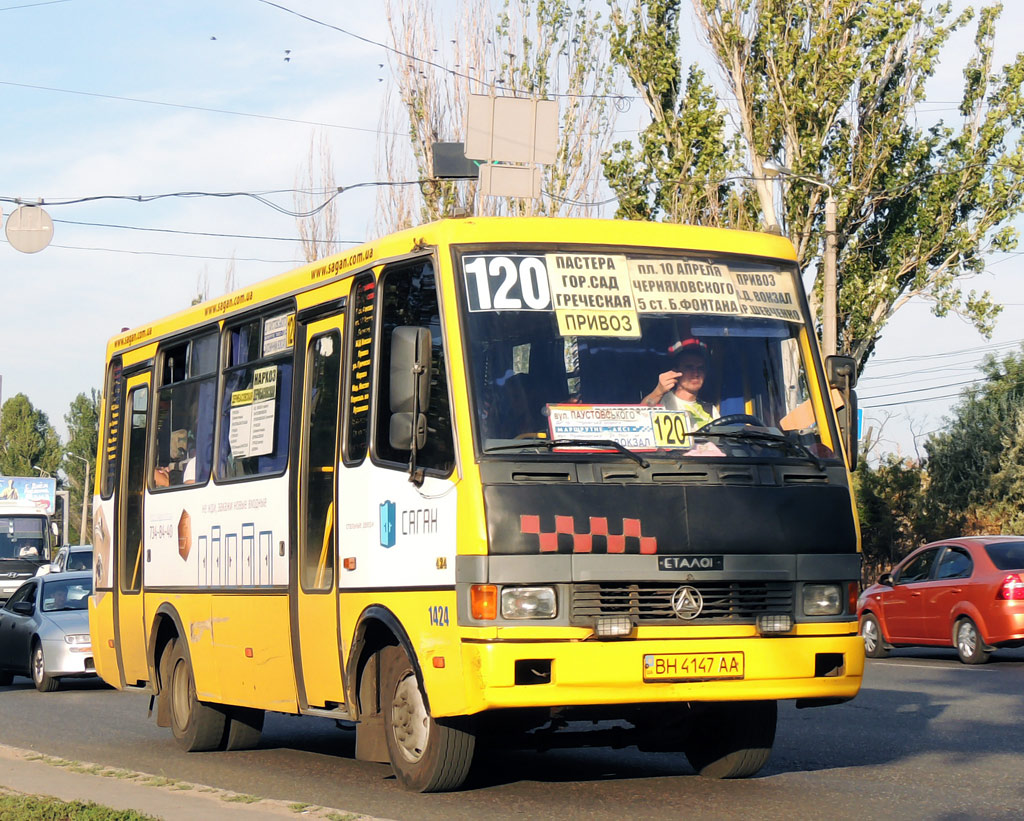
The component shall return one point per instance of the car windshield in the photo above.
(22, 537)
(1006, 555)
(79, 560)
(574, 348)
(66, 594)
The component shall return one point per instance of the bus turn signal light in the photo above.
(483, 601)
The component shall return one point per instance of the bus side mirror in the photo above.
(409, 386)
(842, 375)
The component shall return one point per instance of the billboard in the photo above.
(28, 491)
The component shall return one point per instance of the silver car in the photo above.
(69, 557)
(44, 630)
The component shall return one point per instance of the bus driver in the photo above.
(678, 387)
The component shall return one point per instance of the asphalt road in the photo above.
(927, 738)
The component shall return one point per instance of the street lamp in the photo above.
(85, 497)
(829, 322)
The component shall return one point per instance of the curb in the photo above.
(32, 773)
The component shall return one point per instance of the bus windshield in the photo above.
(668, 353)
(22, 537)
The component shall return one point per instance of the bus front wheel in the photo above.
(731, 739)
(197, 727)
(426, 756)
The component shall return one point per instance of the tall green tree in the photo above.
(831, 89)
(82, 420)
(27, 439)
(892, 512)
(965, 458)
(1008, 481)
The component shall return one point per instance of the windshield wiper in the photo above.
(551, 444)
(767, 438)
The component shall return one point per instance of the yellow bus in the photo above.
(484, 478)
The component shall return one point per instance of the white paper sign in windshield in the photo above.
(603, 294)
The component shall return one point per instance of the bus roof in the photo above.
(468, 230)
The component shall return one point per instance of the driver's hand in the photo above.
(667, 381)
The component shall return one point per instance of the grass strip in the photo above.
(39, 808)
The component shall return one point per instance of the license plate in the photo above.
(692, 666)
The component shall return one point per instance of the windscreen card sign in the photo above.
(683, 286)
(241, 423)
(629, 425)
(768, 293)
(694, 286)
(602, 294)
(506, 282)
(278, 333)
(592, 295)
(252, 415)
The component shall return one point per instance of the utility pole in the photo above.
(85, 497)
(829, 324)
(829, 287)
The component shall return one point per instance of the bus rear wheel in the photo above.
(731, 739)
(426, 756)
(196, 726)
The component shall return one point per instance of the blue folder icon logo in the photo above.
(387, 524)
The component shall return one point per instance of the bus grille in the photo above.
(651, 603)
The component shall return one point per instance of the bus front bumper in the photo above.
(580, 673)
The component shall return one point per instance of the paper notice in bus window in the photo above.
(687, 286)
(768, 294)
(261, 437)
(592, 295)
(278, 333)
(264, 384)
(629, 425)
(241, 424)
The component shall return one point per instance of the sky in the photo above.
(104, 100)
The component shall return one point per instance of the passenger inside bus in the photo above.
(180, 463)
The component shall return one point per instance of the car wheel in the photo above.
(44, 683)
(426, 756)
(196, 726)
(874, 644)
(969, 643)
(731, 739)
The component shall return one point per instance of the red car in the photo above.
(967, 593)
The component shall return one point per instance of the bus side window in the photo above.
(360, 368)
(408, 297)
(256, 405)
(186, 402)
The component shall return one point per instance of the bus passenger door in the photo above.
(130, 537)
(316, 626)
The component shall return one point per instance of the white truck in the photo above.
(27, 528)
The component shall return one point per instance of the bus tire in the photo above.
(244, 727)
(197, 727)
(426, 756)
(731, 739)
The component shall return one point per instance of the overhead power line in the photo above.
(202, 233)
(207, 109)
(33, 5)
(288, 262)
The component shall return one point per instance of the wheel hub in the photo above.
(409, 719)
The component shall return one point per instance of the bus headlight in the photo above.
(528, 603)
(823, 599)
